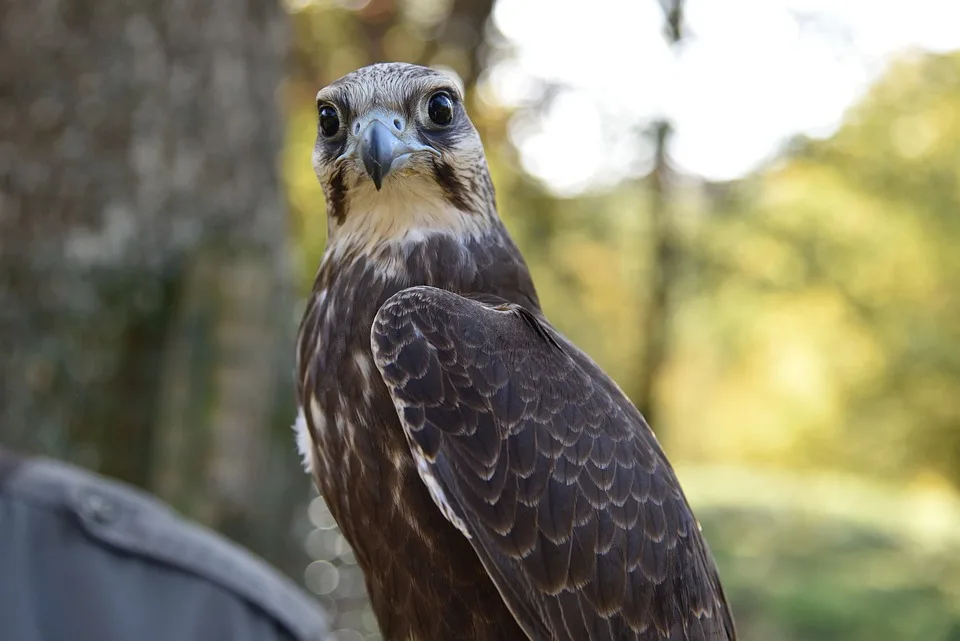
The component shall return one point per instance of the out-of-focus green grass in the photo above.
(830, 558)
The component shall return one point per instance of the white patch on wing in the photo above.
(316, 413)
(436, 492)
(344, 425)
(304, 442)
(397, 458)
(365, 367)
(320, 425)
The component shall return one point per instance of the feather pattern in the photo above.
(569, 497)
(493, 482)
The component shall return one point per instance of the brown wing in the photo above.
(538, 456)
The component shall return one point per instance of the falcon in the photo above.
(493, 482)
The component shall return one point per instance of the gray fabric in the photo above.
(87, 559)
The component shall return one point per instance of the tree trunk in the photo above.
(665, 251)
(663, 272)
(143, 276)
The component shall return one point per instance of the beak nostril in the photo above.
(356, 128)
(397, 124)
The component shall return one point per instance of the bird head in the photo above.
(396, 152)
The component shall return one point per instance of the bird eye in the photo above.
(440, 108)
(329, 121)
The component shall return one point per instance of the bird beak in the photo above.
(382, 147)
(378, 149)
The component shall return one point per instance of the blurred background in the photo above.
(747, 211)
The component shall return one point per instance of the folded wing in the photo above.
(539, 458)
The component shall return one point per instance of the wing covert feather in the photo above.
(569, 500)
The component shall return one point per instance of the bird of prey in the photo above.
(493, 482)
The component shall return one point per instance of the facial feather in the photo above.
(443, 186)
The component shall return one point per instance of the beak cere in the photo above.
(379, 147)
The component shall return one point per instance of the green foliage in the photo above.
(834, 287)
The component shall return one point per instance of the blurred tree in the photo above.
(899, 269)
(831, 285)
(144, 285)
(663, 258)
(664, 255)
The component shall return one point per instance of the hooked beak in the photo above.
(378, 149)
(381, 149)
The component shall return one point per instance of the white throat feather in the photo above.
(404, 211)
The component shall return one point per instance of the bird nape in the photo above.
(493, 481)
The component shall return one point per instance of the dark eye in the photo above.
(440, 108)
(329, 121)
